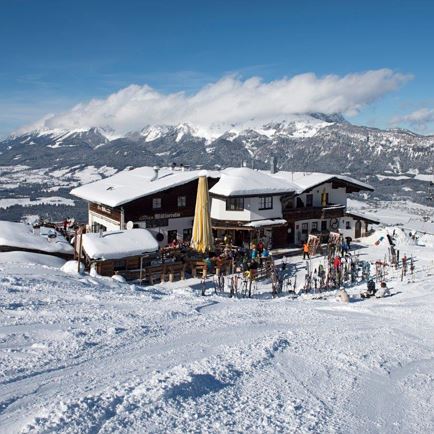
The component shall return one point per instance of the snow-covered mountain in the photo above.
(306, 142)
(314, 142)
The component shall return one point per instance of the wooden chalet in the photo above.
(160, 200)
(319, 205)
(280, 208)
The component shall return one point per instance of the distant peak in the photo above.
(333, 117)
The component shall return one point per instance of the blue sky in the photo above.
(57, 53)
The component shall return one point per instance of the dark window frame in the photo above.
(309, 200)
(235, 204)
(172, 235)
(186, 235)
(265, 202)
(182, 199)
(153, 203)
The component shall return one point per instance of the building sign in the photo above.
(160, 216)
(156, 223)
(104, 209)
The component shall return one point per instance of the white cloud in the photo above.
(230, 100)
(418, 119)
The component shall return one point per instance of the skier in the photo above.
(370, 292)
(344, 248)
(260, 247)
(383, 291)
(306, 251)
(404, 264)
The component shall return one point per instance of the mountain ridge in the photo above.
(390, 160)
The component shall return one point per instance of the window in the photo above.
(97, 227)
(304, 228)
(156, 203)
(156, 223)
(309, 200)
(182, 201)
(235, 204)
(348, 225)
(171, 236)
(323, 225)
(314, 225)
(186, 235)
(266, 202)
(120, 265)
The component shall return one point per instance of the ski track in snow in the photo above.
(83, 354)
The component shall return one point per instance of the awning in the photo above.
(266, 223)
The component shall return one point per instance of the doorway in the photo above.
(358, 229)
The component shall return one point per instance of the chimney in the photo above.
(156, 169)
(273, 165)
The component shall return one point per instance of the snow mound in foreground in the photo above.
(119, 278)
(71, 267)
(31, 258)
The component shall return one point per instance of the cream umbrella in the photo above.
(202, 239)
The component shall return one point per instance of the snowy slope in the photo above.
(88, 354)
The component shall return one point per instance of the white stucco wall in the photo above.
(251, 210)
(299, 237)
(336, 196)
(178, 224)
(110, 224)
(341, 227)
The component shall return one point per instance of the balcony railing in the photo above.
(314, 212)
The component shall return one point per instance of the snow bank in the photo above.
(23, 236)
(31, 258)
(119, 244)
(118, 278)
(71, 267)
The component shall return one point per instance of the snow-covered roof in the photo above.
(24, 236)
(357, 215)
(130, 185)
(243, 181)
(267, 222)
(119, 244)
(306, 181)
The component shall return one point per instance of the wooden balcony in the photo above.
(314, 213)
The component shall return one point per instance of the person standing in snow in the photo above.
(344, 248)
(404, 264)
(260, 247)
(306, 251)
